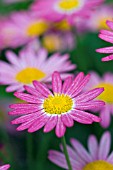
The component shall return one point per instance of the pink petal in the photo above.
(106, 32)
(106, 38)
(27, 118)
(67, 120)
(110, 24)
(42, 89)
(24, 111)
(89, 95)
(60, 128)
(5, 167)
(51, 123)
(81, 150)
(39, 123)
(58, 158)
(89, 105)
(56, 82)
(27, 97)
(110, 158)
(106, 50)
(12, 57)
(33, 91)
(75, 83)
(86, 115)
(81, 86)
(13, 87)
(67, 83)
(22, 105)
(104, 146)
(93, 147)
(108, 58)
(105, 116)
(81, 119)
(25, 125)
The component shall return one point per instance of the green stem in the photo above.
(66, 152)
(29, 151)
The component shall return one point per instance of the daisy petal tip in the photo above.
(16, 94)
(56, 73)
(106, 59)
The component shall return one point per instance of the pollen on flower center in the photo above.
(37, 28)
(107, 95)
(27, 75)
(58, 104)
(98, 165)
(69, 4)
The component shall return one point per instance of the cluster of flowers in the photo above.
(53, 97)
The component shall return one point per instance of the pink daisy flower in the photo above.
(32, 66)
(57, 109)
(58, 41)
(98, 18)
(5, 167)
(64, 9)
(20, 28)
(107, 83)
(107, 36)
(97, 158)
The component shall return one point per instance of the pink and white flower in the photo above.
(98, 18)
(96, 158)
(107, 36)
(29, 66)
(20, 28)
(59, 41)
(56, 10)
(107, 96)
(5, 167)
(58, 109)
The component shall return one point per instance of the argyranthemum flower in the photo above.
(98, 18)
(56, 10)
(107, 36)
(5, 167)
(58, 41)
(57, 109)
(107, 96)
(29, 66)
(20, 28)
(96, 158)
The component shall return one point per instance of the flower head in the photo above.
(58, 41)
(107, 96)
(96, 158)
(57, 109)
(29, 66)
(98, 18)
(5, 167)
(20, 28)
(107, 36)
(56, 10)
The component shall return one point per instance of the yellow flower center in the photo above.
(102, 23)
(57, 104)
(37, 28)
(68, 5)
(52, 42)
(98, 165)
(107, 94)
(27, 75)
(62, 25)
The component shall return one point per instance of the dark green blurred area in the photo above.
(39, 143)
